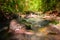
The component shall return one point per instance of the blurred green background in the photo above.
(15, 6)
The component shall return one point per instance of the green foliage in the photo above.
(27, 5)
(33, 5)
(12, 5)
(47, 5)
(41, 5)
(58, 6)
